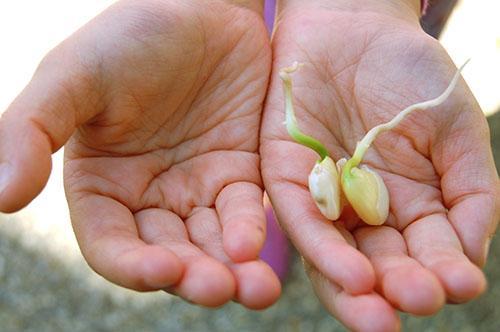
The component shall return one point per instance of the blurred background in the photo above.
(45, 285)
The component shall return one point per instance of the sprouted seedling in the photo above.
(361, 186)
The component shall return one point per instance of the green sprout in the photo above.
(361, 186)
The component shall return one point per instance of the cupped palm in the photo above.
(161, 103)
(360, 69)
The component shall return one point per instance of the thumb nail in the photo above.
(487, 247)
(5, 175)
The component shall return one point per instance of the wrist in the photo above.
(255, 5)
(406, 9)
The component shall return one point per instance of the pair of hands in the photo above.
(160, 106)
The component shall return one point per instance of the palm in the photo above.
(340, 99)
(353, 79)
(162, 174)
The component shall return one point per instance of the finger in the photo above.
(39, 122)
(401, 279)
(109, 241)
(433, 242)
(205, 281)
(322, 244)
(241, 210)
(471, 190)
(315, 237)
(367, 312)
(475, 220)
(257, 285)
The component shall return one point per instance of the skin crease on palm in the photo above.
(158, 104)
(363, 63)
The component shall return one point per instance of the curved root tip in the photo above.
(290, 69)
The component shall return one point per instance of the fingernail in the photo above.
(5, 175)
(487, 247)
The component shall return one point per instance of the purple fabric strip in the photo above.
(275, 252)
(269, 11)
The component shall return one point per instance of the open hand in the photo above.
(158, 104)
(365, 62)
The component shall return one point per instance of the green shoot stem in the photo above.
(365, 143)
(291, 121)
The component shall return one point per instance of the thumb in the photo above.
(41, 119)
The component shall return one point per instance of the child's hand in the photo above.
(362, 66)
(159, 104)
